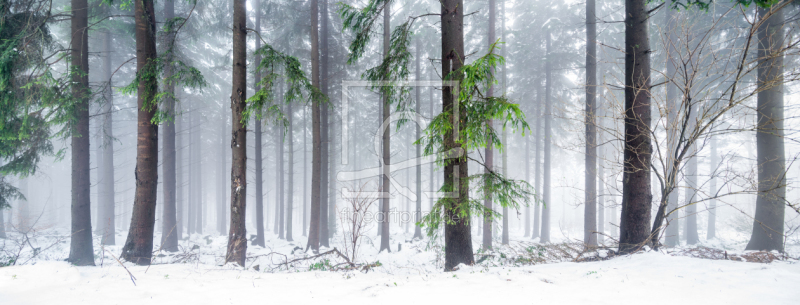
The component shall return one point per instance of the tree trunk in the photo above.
(281, 182)
(305, 172)
(237, 236)
(527, 178)
(222, 215)
(323, 233)
(690, 230)
(290, 178)
(672, 237)
(636, 196)
(768, 224)
(489, 150)
(258, 158)
(169, 240)
(81, 252)
(106, 188)
(179, 134)
(417, 135)
(199, 205)
(139, 244)
(537, 138)
(590, 203)
(457, 233)
(192, 171)
(546, 191)
(385, 185)
(713, 160)
(316, 167)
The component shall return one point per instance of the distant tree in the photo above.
(768, 223)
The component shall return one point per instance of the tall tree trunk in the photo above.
(258, 158)
(324, 190)
(601, 175)
(672, 237)
(179, 134)
(106, 188)
(417, 134)
(290, 178)
(489, 150)
(200, 199)
(431, 175)
(222, 215)
(316, 167)
(537, 138)
(81, 252)
(457, 233)
(169, 240)
(713, 160)
(305, 172)
(636, 195)
(385, 185)
(278, 174)
(546, 190)
(281, 182)
(527, 178)
(139, 244)
(237, 236)
(503, 84)
(590, 203)
(192, 171)
(768, 223)
(690, 230)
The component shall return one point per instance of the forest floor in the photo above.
(522, 272)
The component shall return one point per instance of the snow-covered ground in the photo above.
(410, 275)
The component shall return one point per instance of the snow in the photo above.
(652, 277)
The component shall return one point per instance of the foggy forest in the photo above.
(565, 152)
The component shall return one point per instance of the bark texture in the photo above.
(237, 236)
(636, 195)
(139, 244)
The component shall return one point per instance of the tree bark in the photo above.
(537, 138)
(179, 134)
(237, 236)
(258, 158)
(489, 150)
(636, 195)
(81, 252)
(545, 232)
(713, 160)
(106, 188)
(386, 138)
(305, 172)
(324, 190)
(290, 178)
(417, 134)
(590, 203)
(169, 240)
(672, 237)
(316, 167)
(139, 244)
(768, 224)
(457, 233)
(690, 229)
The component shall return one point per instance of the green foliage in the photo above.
(360, 22)
(322, 265)
(704, 4)
(474, 130)
(31, 99)
(272, 64)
